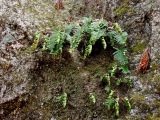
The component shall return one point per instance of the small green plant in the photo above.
(92, 98)
(117, 106)
(55, 42)
(62, 99)
(106, 81)
(36, 41)
(113, 70)
(127, 104)
(126, 81)
(97, 31)
(120, 56)
(110, 101)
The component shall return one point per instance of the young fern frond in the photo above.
(92, 98)
(36, 41)
(110, 101)
(117, 106)
(127, 104)
(62, 99)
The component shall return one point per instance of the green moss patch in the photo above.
(138, 48)
(123, 9)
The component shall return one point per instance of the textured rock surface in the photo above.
(22, 96)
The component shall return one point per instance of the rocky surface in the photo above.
(22, 96)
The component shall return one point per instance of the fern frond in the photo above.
(121, 38)
(54, 43)
(76, 38)
(120, 56)
(87, 24)
(69, 28)
(112, 35)
(117, 38)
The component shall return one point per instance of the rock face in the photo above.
(22, 96)
(15, 67)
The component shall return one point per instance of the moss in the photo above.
(156, 78)
(125, 1)
(138, 48)
(153, 118)
(156, 82)
(123, 9)
(154, 66)
(137, 98)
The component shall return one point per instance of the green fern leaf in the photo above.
(69, 28)
(76, 38)
(120, 56)
(121, 38)
(55, 42)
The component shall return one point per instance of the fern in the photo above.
(54, 43)
(36, 41)
(97, 30)
(113, 70)
(62, 99)
(92, 98)
(120, 38)
(86, 24)
(76, 38)
(88, 51)
(124, 69)
(127, 104)
(117, 28)
(69, 28)
(117, 106)
(110, 101)
(120, 56)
